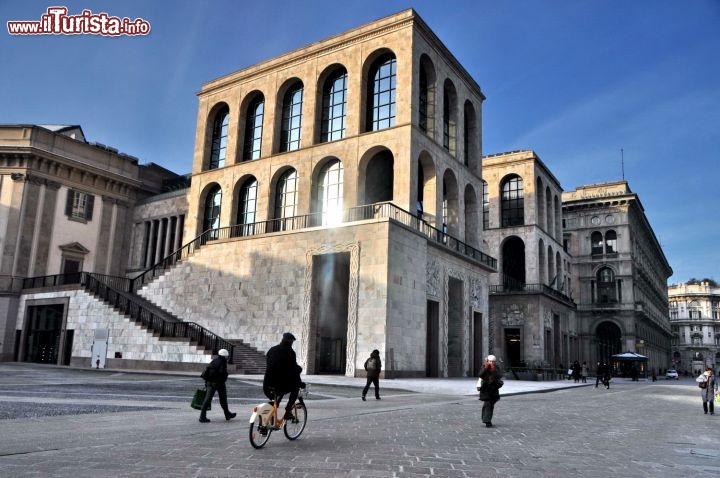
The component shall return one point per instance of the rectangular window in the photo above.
(79, 205)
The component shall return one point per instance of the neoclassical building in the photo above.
(621, 274)
(66, 206)
(531, 308)
(695, 322)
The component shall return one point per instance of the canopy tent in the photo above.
(630, 364)
(629, 356)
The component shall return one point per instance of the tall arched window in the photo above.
(596, 243)
(423, 99)
(330, 192)
(512, 202)
(286, 197)
(334, 105)
(381, 93)
(219, 139)
(254, 128)
(211, 211)
(247, 208)
(486, 206)
(291, 118)
(606, 291)
(610, 242)
(449, 117)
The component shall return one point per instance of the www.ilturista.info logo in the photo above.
(57, 22)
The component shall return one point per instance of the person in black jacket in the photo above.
(490, 388)
(282, 374)
(215, 376)
(373, 365)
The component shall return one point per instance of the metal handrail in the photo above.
(521, 287)
(115, 291)
(294, 223)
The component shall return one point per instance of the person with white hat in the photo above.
(490, 388)
(215, 376)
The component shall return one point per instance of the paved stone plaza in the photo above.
(62, 422)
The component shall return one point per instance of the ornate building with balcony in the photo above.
(533, 315)
(620, 275)
(695, 323)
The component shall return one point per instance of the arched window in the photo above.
(486, 206)
(334, 106)
(291, 118)
(219, 139)
(381, 93)
(330, 192)
(610, 242)
(606, 291)
(211, 212)
(423, 99)
(254, 128)
(512, 206)
(596, 243)
(449, 117)
(247, 208)
(286, 197)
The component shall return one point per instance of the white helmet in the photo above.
(223, 353)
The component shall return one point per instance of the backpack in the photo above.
(370, 364)
(703, 384)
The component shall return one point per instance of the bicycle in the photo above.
(265, 420)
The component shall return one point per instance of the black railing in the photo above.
(116, 292)
(522, 288)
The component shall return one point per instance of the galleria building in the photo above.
(339, 192)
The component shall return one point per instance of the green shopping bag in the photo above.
(199, 398)
(717, 398)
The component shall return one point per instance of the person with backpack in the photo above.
(373, 365)
(215, 376)
(490, 388)
(708, 389)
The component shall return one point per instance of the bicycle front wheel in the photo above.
(259, 434)
(294, 428)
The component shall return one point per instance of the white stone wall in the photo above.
(86, 313)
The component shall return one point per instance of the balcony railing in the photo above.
(514, 287)
(295, 223)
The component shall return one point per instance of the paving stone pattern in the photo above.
(633, 430)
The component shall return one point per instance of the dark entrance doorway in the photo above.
(512, 347)
(455, 336)
(432, 344)
(607, 336)
(42, 343)
(477, 343)
(513, 268)
(331, 289)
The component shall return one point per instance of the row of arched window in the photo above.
(328, 200)
(606, 244)
(380, 99)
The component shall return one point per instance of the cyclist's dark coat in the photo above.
(282, 371)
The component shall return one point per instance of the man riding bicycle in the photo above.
(282, 374)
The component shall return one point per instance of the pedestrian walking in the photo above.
(490, 388)
(584, 372)
(708, 389)
(373, 366)
(576, 371)
(215, 376)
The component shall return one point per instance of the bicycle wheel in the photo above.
(294, 428)
(259, 435)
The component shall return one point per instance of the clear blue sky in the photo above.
(576, 81)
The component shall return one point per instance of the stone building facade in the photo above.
(621, 275)
(66, 206)
(531, 308)
(695, 323)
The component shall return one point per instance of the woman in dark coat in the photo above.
(490, 388)
(373, 365)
